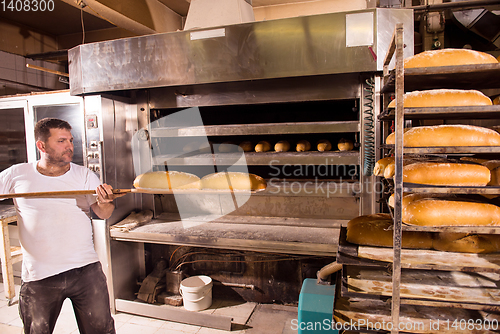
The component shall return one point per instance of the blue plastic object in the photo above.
(316, 308)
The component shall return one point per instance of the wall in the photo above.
(16, 78)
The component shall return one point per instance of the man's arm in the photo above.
(104, 206)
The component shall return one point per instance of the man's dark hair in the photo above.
(43, 126)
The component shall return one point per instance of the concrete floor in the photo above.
(248, 318)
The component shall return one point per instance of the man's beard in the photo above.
(60, 160)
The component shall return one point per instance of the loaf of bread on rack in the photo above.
(246, 146)
(227, 147)
(282, 146)
(323, 145)
(445, 210)
(345, 145)
(262, 146)
(446, 174)
(167, 180)
(496, 100)
(449, 57)
(376, 230)
(495, 177)
(467, 242)
(447, 135)
(302, 146)
(443, 98)
(381, 164)
(233, 181)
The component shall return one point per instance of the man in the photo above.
(59, 260)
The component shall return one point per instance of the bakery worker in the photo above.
(59, 260)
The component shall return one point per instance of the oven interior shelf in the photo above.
(278, 235)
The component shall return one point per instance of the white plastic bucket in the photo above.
(196, 292)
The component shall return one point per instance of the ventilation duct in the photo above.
(210, 13)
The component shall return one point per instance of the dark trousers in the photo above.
(40, 302)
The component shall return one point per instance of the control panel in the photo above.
(92, 131)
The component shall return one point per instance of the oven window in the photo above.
(72, 114)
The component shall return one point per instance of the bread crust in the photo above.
(262, 146)
(324, 145)
(345, 145)
(443, 98)
(448, 57)
(380, 166)
(446, 174)
(282, 146)
(167, 180)
(302, 146)
(376, 230)
(448, 135)
(237, 181)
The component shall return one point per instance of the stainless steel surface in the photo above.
(258, 129)
(263, 159)
(314, 88)
(175, 314)
(294, 47)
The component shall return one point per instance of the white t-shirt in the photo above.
(55, 233)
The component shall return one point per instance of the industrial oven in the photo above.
(173, 101)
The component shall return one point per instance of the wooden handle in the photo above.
(61, 193)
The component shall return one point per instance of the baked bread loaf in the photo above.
(246, 146)
(443, 98)
(167, 180)
(233, 181)
(441, 211)
(446, 174)
(380, 166)
(282, 146)
(448, 57)
(324, 145)
(375, 230)
(302, 146)
(447, 135)
(345, 145)
(467, 243)
(496, 101)
(262, 146)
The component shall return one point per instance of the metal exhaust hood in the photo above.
(334, 43)
(208, 13)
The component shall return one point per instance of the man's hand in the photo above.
(104, 206)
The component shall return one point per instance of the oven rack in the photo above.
(467, 112)
(370, 256)
(249, 233)
(261, 159)
(462, 150)
(258, 129)
(458, 77)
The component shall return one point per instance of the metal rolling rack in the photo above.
(417, 264)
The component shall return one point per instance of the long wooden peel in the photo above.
(61, 193)
(126, 191)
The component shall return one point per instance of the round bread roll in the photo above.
(448, 135)
(448, 57)
(324, 145)
(262, 146)
(302, 146)
(375, 230)
(282, 146)
(496, 101)
(345, 145)
(443, 98)
(233, 181)
(449, 174)
(466, 243)
(167, 180)
(227, 146)
(380, 165)
(191, 146)
(442, 212)
(246, 146)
